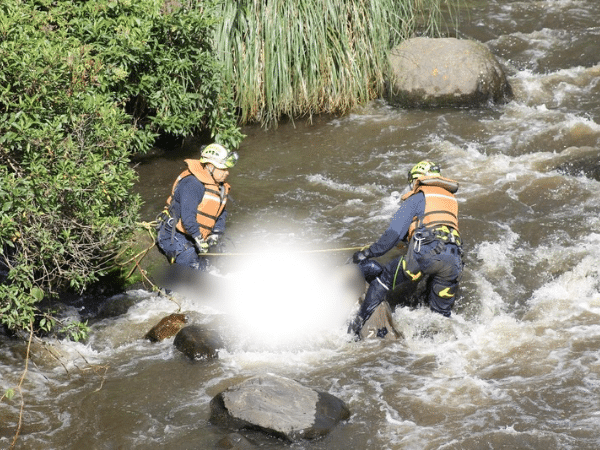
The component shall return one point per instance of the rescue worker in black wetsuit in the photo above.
(194, 218)
(427, 220)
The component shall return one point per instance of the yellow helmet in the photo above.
(218, 156)
(423, 169)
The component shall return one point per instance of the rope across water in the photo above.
(325, 250)
(151, 225)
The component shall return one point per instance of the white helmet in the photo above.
(218, 156)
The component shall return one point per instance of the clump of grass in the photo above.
(304, 57)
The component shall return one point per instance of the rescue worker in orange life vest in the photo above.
(195, 212)
(427, 220)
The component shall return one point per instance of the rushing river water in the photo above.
(518, 364)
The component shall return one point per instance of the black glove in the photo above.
(361, 255)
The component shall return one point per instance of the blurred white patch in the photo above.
(286, 296)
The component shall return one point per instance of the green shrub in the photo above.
(82, 86)
(158, 62)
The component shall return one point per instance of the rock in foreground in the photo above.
(278, 406)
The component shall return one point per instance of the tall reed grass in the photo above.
(297, 58)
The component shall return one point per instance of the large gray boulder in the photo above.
(445, 72)
(278, 406)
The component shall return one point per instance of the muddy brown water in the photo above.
(517, 366)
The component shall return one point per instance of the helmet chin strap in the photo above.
(211, 171)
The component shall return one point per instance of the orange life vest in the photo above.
(212, 204)
(441, 207)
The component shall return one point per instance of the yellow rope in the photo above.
(325, 250)
(151, 225)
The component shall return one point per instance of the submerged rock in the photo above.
(445, 72)
(582, 163)
(235, 441)
(45, 352)
(198, 343)
(119, 304)
(278, 406)
(167, 327)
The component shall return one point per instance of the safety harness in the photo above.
(212, 204)
(439, 222)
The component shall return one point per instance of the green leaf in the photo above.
(37, 293)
